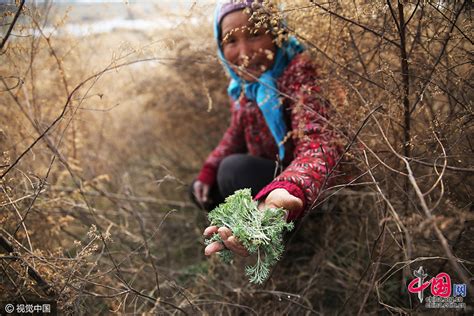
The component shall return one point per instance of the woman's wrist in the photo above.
(292, 189)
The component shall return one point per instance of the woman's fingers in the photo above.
(201, 191)
(231, 242)
(228, 241)
(234, 245)
(213, 248)
(197, 190)
(205, 192)
(224, 232)
(209, 231)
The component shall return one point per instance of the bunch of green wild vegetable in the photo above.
(260, 231)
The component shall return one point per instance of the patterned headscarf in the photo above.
(264, 91)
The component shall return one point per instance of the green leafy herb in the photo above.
(260, 231)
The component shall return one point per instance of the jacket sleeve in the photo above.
(232, 142)
(316, 146)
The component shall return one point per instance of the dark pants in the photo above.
(237, 172)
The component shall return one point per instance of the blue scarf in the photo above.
(264, 91)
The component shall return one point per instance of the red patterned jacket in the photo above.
(310, 153)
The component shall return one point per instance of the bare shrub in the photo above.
(101, 135)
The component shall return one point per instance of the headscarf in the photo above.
(264, 91)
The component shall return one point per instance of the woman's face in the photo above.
(250, 51)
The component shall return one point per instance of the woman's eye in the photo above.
(256, 33)
(228, 40)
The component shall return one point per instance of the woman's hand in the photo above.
(229, 241)
(201, 191)
(278, 198)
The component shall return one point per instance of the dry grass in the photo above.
(101, 135)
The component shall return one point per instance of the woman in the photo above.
(278, 120)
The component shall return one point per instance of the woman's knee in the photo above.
(232, 165)
(240, 171)
(229, 169)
